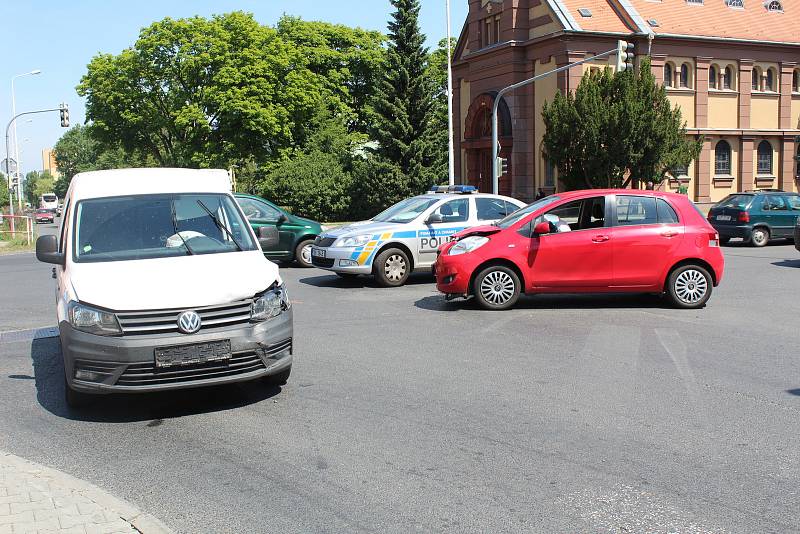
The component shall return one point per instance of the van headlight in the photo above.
(272, 303)
(93, 321)
(353, 241)
(468, 244)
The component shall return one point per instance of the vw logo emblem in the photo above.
(189, 322)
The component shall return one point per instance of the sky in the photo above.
(60, 37)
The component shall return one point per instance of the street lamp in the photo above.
(13, 114)
(451, 159)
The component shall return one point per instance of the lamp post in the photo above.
(451, 142)
(16, 144)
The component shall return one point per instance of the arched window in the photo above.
(770, 82)
(774, 5)
(764, 166)
(685, 75)
(756, 79)
(722, 158)
(713, 77)
(796, 81)
(727, 81)
(668, 74)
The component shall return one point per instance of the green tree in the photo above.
(436, 134)
(29, 188)
(3, 190)
(44, 184)
(347, 61)
(616, 128)
(203, 92)
(404, 99)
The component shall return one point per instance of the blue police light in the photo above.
(463, 189)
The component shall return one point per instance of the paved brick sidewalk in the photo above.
(34, 498)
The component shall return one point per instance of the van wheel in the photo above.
(392, 268)
(689, 287)
(76, 399)
(302, 253)
(760, 237)
(279, 379)
(497, 288)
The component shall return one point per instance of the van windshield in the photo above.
(49, 198)
(158, 226)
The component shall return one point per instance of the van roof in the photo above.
(121, 182)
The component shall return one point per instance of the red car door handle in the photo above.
(600, 238)
(669, 233)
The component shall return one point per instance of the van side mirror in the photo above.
(542, 228)
(47, 250)
(268, 237)
(434, 218)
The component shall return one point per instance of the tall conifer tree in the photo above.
(403, 101)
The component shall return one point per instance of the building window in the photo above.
(770, 81)
(756, 84)
(796, 81)
(727, 81)
(764, 166)
(722, 158)
(713, 77)
(685, 81)
(680, 171)
(549, 173)
(497, 29)
(668, 75)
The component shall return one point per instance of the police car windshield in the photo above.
(406, 210)
(520, 214)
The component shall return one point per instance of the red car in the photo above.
(594, 241)
(43, 215)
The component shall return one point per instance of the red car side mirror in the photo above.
(542, 228)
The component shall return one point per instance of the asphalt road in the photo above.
(405, 413)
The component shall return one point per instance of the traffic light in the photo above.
(501, 165)
(625, 54)
(64, 112)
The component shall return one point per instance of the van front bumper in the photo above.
(127, 364)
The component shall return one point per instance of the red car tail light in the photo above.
(744, 217)
(713, 239)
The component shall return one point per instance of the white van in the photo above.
(161, 284)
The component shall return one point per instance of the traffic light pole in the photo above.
(8, 159)
(503, 92)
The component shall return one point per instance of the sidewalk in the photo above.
(34, 498)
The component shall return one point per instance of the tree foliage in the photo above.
(404, 99)
(616, 128)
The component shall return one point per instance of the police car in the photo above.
(405, 237)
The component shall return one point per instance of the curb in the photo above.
(141, 521)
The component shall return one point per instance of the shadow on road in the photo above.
(335, 281)
(48, 368)
(777, 242)
(793, 392)
(552, 302)
(787, 263)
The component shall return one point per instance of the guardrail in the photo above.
(15, 228)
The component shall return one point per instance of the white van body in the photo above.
(48, 201)
(129, 289)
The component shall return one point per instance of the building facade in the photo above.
(733, 67)
(49, 162)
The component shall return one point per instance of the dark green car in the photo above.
(296, 234)
(756, 217)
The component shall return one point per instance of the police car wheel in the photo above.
(302, 253)
(497, 288)
(392, 268)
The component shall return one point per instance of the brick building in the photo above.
(733, 66)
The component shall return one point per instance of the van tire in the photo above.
(392, 268)
(759, 237)
(301, 259)
(279, 379)
(76, 399)
(500, 277)
(683, 283)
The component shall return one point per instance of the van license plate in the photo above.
(318, 252)
(723, 217)
(198, 353)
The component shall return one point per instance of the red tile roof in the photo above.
(713, 18)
